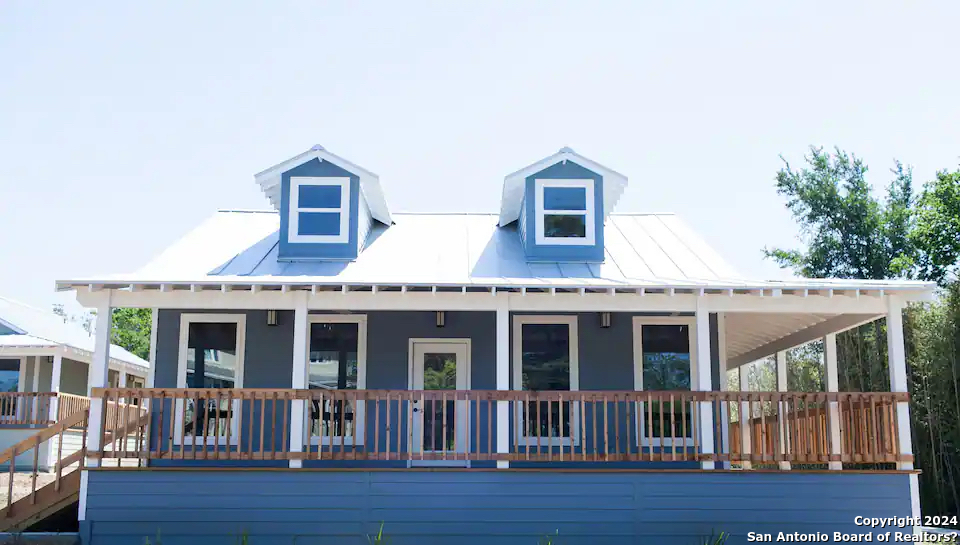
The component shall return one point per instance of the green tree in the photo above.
(131, 330)
(938, 227)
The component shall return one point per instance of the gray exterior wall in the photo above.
(73, 377)
(478, 507)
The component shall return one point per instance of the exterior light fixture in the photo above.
(271, 317)
(605, 319)
(441, 318)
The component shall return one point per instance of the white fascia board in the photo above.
(269, 181)
(613, 183)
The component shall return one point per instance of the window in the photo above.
(9, 382)
(565, 212)
(211, 356)
(664, 360)
(545, 358)
(338, 346)
(113, 378)
(319, 210)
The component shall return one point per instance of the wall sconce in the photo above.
(441, 318)
(271, 317)
(605, 319)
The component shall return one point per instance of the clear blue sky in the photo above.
(123, 125)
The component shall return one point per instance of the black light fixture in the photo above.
(441, 318)
(605, 319)
(271, 317)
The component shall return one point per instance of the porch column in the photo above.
(832, 386)
(301, 345)
(705, 384)
(503, 381)
(55, 385)
(781, 417)
(897, 361)
(35, 387)
(97, 377)
(152, 372)
(746, 439)
(724, 386)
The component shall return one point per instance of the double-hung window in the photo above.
(665, 360)
(545, 359)
(565, 212)
(319, 210)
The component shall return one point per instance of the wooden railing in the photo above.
(66, 461)
(25, 408)
(70, 404)
(431, 425)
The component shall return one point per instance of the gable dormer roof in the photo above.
(513, 184)
(270, 180)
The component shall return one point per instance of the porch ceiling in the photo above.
(750, 336)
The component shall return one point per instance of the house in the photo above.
(44, 363)
(331, 366)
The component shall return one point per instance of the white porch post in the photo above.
(97, 376)
(503, 381)
(781, 359)
(705, 384)
(301, 342)
(897, 361)
(724, 386)
(746, 439)
(832, 385)
(55, 385)
(152, 372)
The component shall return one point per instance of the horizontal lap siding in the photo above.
(513, 507)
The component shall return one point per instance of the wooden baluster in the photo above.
(36, 469)
(683, 426)
(560, 413)
(389, 424)
(583, 429)
(13, 467)
(229, 425)
(376, 424)
(662, 418)
(285, 436)
(874, 418)
(673, 428)
(159, 434)
(537, 423)
(56, 486)
(320, 405)
(649, 424)
(250, 398)
(549, 428)
(594, 430)
(490, 427)
(616, 425)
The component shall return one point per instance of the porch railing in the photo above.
(24, 409)
(447, 425)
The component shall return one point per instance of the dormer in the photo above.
(559, 205)
(327, 205)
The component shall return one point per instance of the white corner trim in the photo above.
(574, 342)
(589, 214)
(293, 226)
(638, 323)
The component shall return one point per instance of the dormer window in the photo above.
(319, 210)
(565, 212)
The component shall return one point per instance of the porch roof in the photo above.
(644, 252)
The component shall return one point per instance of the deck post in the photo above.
(503, 381)
(55, 385)
(898, 374)
(96, 378)
(301, 345)
(746, 439)
(781, 359)
(35, 405)
(724, 385)
(705, 384)
(833, 385)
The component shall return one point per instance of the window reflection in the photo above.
(666, 366)
(211, 363)
(333, 366)
(546, 367)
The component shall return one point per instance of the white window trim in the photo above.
(358, 418)
(589, 214)
(462, 409)
(638, 323)
(293, 226)
(571, 321)
(185, 321)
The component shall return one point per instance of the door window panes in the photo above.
(666, 367)
(439, 430)
(546, 367)
(333, 366)
(211, 363)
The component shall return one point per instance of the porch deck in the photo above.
(460, 428)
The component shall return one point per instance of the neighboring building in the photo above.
(331, 366)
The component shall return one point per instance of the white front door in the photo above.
(440, 424)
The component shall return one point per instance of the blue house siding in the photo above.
(299, 251)
(528, 216)
(421, 507)
(606, 363)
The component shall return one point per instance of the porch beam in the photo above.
(812, 333)
(301, 347)
(781, 361)
(832, 375)
(705, 384)
(503, 380)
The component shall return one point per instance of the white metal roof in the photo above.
(654, 251)
(513, 184)
(36, 328)
(269, 180)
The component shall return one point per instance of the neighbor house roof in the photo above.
(461, 250)
(269, 180)
(36, 328)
